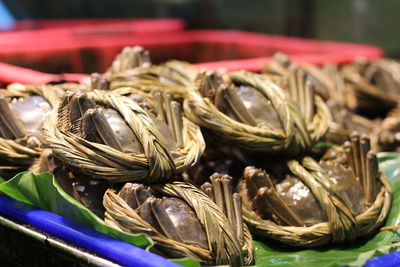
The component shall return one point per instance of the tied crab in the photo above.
(327, 82)
(182, 221)
(253, 112)
(307, 203)
(108, 136)
(22, 112)
(375, 83)
(132, 68)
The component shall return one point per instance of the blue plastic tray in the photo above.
(110, 248)
(103, 245)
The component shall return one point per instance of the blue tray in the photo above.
(103, 245)
(108, 247)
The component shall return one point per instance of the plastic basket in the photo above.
(211, 49)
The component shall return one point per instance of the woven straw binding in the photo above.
(342, 225)
(295, 137)
(17, 152)
(224, 247)
(101, 161)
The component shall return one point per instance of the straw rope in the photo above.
(174, 76)
(18, 151)
(342, 225)
(295, 136)
(155, 164)
(223, 245)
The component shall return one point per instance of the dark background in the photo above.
(364, 21)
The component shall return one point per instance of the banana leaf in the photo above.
(44, 192)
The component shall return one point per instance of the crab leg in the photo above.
(158, 101)
(238, 107)
(218, 197)
(140, 57)
(237, 205)
(126, 58)
(104, 83)
(94, 80)
(349, 155)
(95, 125)
(365, 146)
(292, 84)
(167, 97)
(10, 126)
(355, 142)
(226, 182)
(78, 105)
(116, 65)
(309, 101)
(208, 189)
(177, 121)
(209, 83)
(371, 181)
(301, 90)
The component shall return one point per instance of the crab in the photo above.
(105, 125)
(263, 106)
(171, 216)
(133, 68)
(276, 193)
(375, 83)
(23, 117)
(242, 103)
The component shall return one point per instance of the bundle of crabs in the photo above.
(204, 161)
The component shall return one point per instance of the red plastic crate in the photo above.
(147, 24)
(69, 30)
(211, 49)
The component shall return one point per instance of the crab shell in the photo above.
(29, 107)
(325, 202)
(222, 246)
(278, 127)
(156, 162)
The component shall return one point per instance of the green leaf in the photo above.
(43, 191)
(323, 144)
(354, 254)
(188, 262)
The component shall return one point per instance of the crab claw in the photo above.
(135, 194)
(168, 215)
(99, 82)
(95, 128)
(131, 57)
(263, 195)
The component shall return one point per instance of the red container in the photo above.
(69, 30)
(145, 24)
(213, 49)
